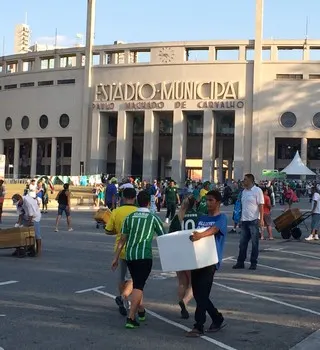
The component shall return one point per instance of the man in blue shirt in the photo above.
(111, 194)
(201, 279)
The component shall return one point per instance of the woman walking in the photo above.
(186, 219)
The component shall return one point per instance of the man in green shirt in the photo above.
(171, 197)
(202, 207)
(137, 233)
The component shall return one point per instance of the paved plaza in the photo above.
(64, 300)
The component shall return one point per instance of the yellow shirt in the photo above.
(203, 192)
(115, 223)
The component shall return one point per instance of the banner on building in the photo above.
(273, 174)
(84, 180)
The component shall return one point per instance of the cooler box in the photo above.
(17, 237)
(285, 220)
(102, 215)
(178, 253)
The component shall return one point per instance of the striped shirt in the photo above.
(140, 227)
(189, 222)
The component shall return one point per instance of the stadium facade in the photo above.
(205, 109)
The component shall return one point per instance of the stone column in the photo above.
(124, 144)
(16, 159)
(258, 142)
(53, 163)
(304, 154)
(2, 153)
(238, 164)
(304, 150)
(37, 64)
(271, 151)
(179, 147)
(1, 146)
(33, 160)
(87, 85)
(220, 161)
(306, 52)
(79, 59)
(208, 145)
(46, 172)
(62, 159)
(230, 162)
(150, 146)
(20, 66)
(162, 168)
(75, 158)
(99, 142)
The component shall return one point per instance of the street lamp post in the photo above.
(86, 107)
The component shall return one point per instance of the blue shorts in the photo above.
(37, 229)
(315, 222)
(63, 208)
(36, 226)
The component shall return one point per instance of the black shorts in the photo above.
(140, 271)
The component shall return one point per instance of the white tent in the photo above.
(296, 167)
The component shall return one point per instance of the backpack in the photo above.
(237, 210)
(59, 195)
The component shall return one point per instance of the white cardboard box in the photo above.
(178, 253)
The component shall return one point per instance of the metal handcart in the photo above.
(288, 223)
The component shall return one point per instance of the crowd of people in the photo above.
(135, 226)
(134, 222)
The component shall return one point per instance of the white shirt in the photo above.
(33, 190)
(31, 208)
(250, 200)
(126, 185)
(316, 198)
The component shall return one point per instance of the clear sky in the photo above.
(165, 20)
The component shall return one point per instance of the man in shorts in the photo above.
(63, 198)
(114, 226)
(137, 232)
(315, 218)
(29, 215)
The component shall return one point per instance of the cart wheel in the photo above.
(286, 234)
(97, 226)
(21, 252)
(296, 233)
(32, 250)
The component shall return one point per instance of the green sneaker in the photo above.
(132, 324)
(142, 315)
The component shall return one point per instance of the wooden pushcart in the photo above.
(20, 238)
(288, 223)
